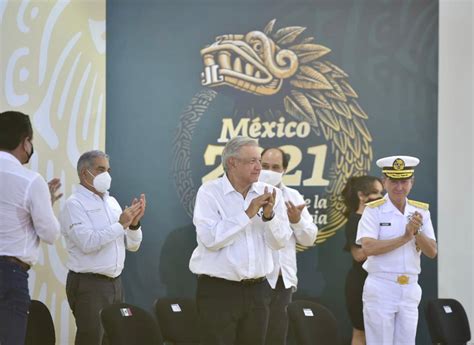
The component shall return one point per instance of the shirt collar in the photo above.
(409, 209)
(390, 207)
(10, 157)
(228, 188)
(253, 188)
(84, 191)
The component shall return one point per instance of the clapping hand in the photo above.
(129, 214)
(54, 186)
(414, 224)
(294, 211)
(268, 207)
(142, 203)
(265, 201)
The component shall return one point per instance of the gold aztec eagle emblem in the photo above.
(398, 164)
(282, 62)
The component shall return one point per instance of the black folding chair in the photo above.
(178, 320)
(312, 323)
(447, 322)
(126, 324)
(40, 328)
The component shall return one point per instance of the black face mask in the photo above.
(31, 152)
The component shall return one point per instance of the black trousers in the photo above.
(278, 324)
(87, 295)
(232, 313)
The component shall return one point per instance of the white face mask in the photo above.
(271, 177)
(101, 182)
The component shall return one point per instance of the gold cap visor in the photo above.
(398, 174)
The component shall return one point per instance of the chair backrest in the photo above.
(447, 322)
(40, 328)
(312, 323)
(126, 324)
(178, 320)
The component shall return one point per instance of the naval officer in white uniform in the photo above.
(394, 232)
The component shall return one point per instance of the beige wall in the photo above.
(455, 155)
(52, 67)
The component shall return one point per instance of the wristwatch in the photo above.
(265, 219)
(134, 227)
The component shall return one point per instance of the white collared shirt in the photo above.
(26, 214)
(230, 244)
(304, 233)
(95, 240)
(387, 222)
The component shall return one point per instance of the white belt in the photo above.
(402, 279)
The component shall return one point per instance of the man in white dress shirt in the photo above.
(239, 222)
(394, 231)
(97, 233)
(26, 217)
(283, 279)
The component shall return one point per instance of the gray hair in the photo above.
(87, 159)
(233, 146)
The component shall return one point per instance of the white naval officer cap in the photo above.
(398, 167)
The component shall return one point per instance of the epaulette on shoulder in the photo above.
(376, 203)
(419, 204)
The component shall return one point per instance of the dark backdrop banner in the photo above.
(336, 84)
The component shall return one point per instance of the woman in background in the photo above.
(357, 192)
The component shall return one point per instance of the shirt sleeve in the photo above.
(427, 227)
(76, 225)
(305, 230)
(277, 231)
(39, 203)
(368, 225)
(133, 239)
(214, 230)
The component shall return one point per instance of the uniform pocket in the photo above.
(387, 233)
(415, 293)
(370, 289)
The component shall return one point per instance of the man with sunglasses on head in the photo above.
(26, 218)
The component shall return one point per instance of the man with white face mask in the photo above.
(283, 279)
(97, 233)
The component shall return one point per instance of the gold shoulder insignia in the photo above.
(419, 204)
(376, 203)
